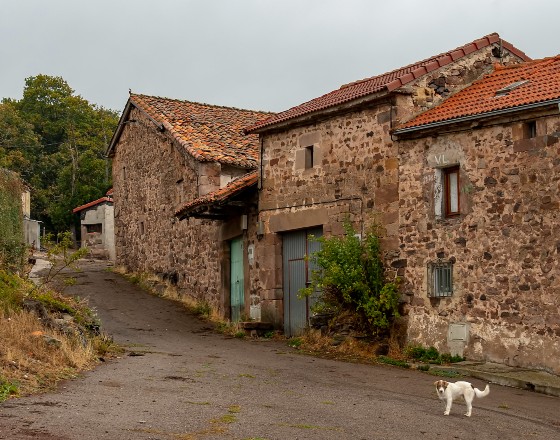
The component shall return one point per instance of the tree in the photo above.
(61, 142)
(18, 142)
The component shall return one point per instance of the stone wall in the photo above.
(505, 244)
(354, 176)
(152, 178)
(355, 173)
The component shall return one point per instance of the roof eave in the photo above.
(506, 111)
(320, 114)
(123, 121)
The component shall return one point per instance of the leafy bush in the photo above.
(351, 278)
(430, 355)
(12, 247)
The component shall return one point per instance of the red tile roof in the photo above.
(209, 133)
(540, 82)
(385, 82)
(232, 188)
(94, 203)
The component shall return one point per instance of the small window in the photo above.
(530, 130)
(96, 228)
(309, 157)
(440, 279)
(451, 191)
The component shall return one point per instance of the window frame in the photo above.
(440, 279)
(447, 191)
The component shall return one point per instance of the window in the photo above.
(451, 191)
(309, 157)
(530, 130)
(98, 228)
(440, 279)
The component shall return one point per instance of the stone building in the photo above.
(479, 230)
(172, 157)
(333, 158)
(97, 226)
(31, 228)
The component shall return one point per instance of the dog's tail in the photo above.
(482, 393)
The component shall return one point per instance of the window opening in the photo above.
(98, 228)
(451, 191)
(530, 130)
(309, 157)
(440, 279)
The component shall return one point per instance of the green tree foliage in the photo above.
(56, 140)
(12, 249)
(351, 280)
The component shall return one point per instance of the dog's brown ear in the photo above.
(436, 382)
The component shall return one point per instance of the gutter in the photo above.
(478, 116)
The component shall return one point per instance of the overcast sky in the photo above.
(256, 54)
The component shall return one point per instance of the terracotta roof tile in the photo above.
(386, 82)
(209, 133)
(542, 83)
(222, 194)
(94, 203)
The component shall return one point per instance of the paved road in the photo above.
(184, 382)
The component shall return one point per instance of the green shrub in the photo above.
(351, 278)
(12, 246)
(7, 389)
(430, 355)
(12, 291)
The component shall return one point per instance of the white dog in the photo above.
(450, 391)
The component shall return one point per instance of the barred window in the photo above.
(440, 279)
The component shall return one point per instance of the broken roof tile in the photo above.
(506, 88)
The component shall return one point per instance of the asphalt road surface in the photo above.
(180, 380)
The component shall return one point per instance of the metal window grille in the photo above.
(440, 275)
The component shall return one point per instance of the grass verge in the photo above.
(45, 337)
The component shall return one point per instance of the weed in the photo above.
(227, 418)
(423, 367)
(234, 409)
(240, 334)
(295, 342)
(250, 376)
(444, 373)
(7, 389)
(503, 406)
(202, 309)
(391, 361)
(269, 334)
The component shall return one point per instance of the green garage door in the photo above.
(237, 290)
